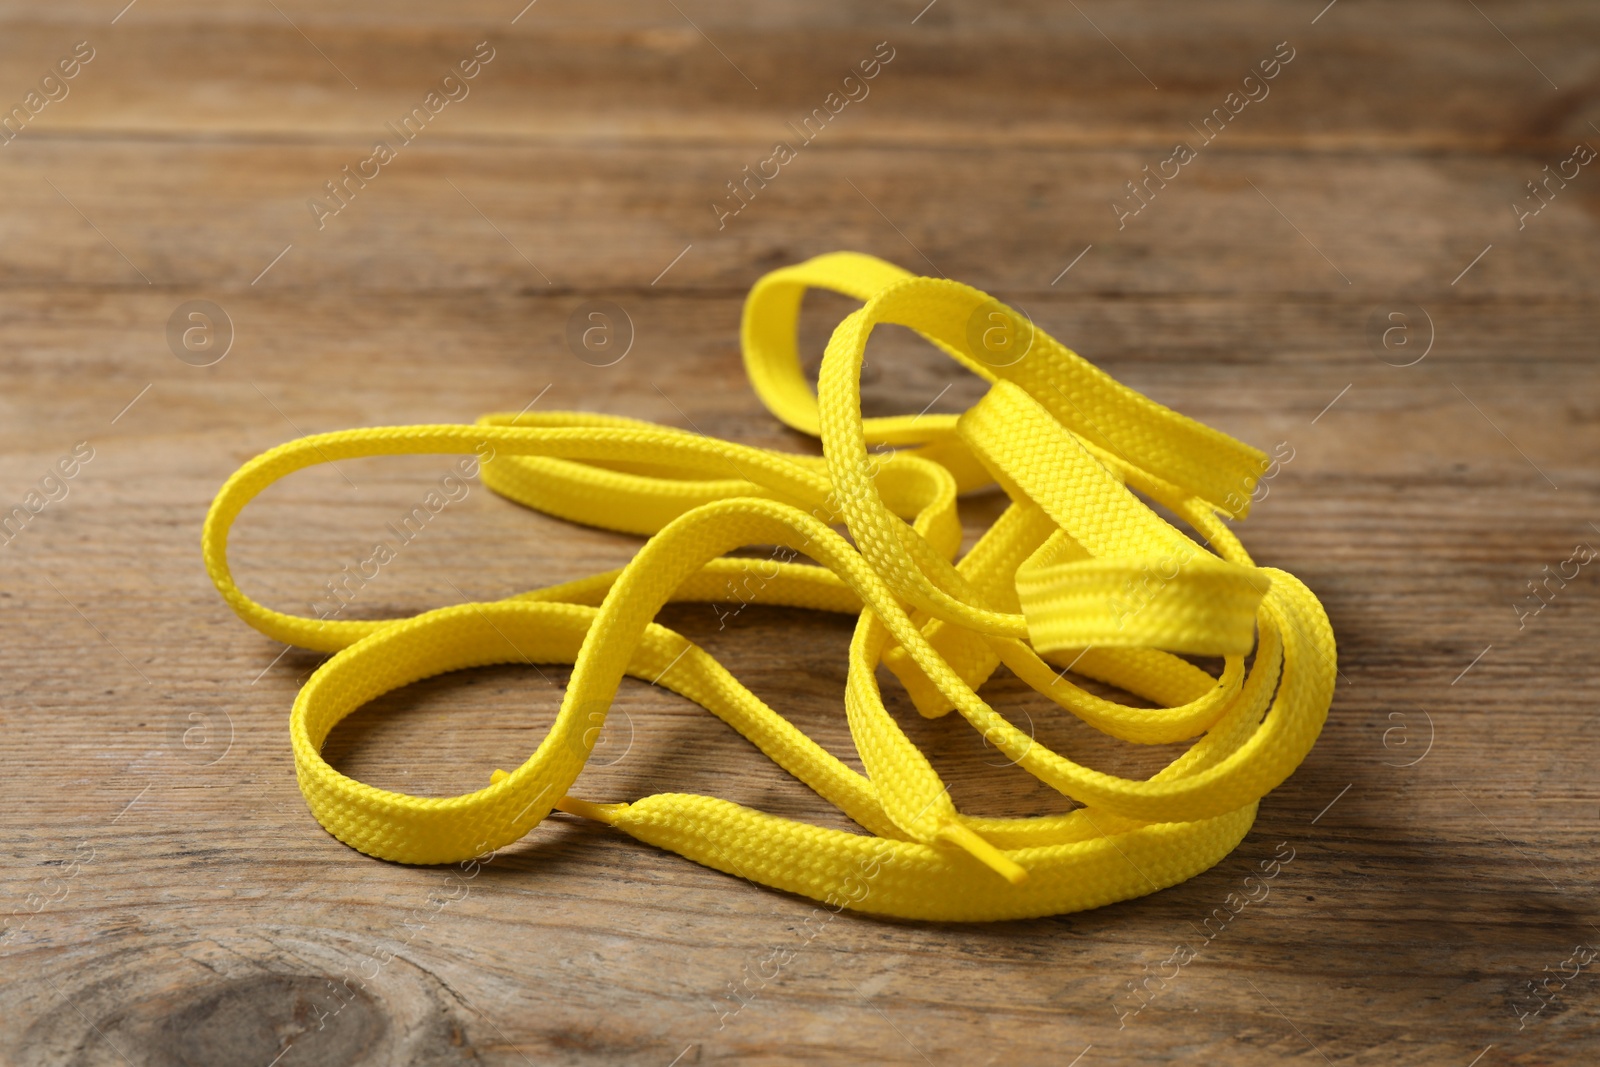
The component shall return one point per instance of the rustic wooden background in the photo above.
(170, 900)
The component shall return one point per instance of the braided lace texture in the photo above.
(1076, 571)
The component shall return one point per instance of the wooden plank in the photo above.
(186, 908)
(1034, 75)
(219, 218)
(1429, 553)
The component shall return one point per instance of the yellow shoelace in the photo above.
(1077, 571)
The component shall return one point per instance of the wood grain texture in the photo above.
(172, 901)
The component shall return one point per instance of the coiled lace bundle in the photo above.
(1076, 571)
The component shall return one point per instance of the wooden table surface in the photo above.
(169, 898)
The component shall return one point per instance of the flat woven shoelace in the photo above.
(1077, 571)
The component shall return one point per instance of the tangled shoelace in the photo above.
(1077, 571)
